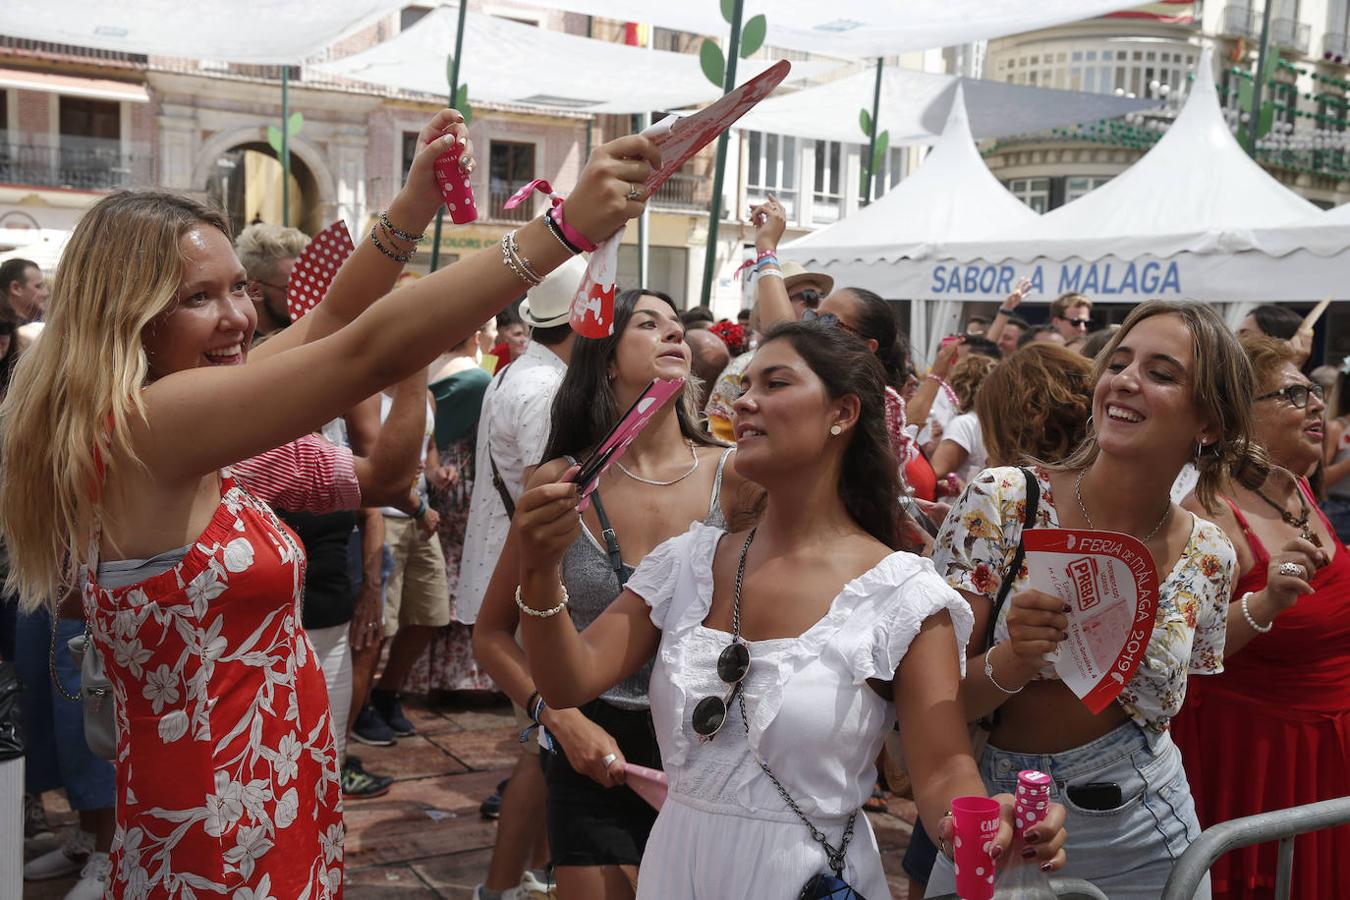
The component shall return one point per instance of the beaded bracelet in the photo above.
(1246, 614)
(396, 257)
(399, 233)
(542, 613)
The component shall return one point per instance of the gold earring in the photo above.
(836, 430)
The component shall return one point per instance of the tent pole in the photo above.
(285, 146)
(454, 89)
(1254, 122)
(719, 171)
(644, 220)
(870, 162)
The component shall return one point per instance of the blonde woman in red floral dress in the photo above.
(117, 435)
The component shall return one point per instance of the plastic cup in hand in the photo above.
(976, 820)
(456, 187)
(1033, 798)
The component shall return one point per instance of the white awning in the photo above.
(240, 31)
(914, 106)
(857, 28)
(70, 86)
(509, 62)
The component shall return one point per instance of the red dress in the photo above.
(227, 779)
(1273, 731)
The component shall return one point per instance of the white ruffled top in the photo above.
(813, 718)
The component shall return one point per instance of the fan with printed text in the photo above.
(315, 268)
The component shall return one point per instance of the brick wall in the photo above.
(34, 112)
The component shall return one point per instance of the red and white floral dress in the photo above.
(227, 778)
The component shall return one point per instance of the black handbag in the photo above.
(11, 715)
(828, 887)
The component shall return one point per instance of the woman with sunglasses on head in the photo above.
(1284, 696)
(118, 432)
(672, 474)
(780, 649)
(1173, 385)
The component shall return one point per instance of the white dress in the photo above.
(724, 832)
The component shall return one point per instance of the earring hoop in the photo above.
(836, 430)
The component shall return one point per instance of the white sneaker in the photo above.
(514, 893)
(62, 861)
(93, 878)
(531, 886)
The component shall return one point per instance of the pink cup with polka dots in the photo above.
(456, 187)
(976, 820)
(1033, 799)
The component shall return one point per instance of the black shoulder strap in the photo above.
(1015, 568)
(497, 481)
(611, 540)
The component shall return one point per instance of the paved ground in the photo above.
(425, 839)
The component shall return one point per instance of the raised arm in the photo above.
(368, 274)
(771, 297)
(570, 668)
(1009, 307)
(920, 406)
(231, 413)
(391, 466)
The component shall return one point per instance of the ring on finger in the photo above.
(1293, 570)
(634, 192)
(609, 759)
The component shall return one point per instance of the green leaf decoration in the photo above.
(274, 138)
(865, 121)
(294, 124)
(450, 68)
(752, 35)
(883, 144)
(462, 100)
(710, 58)
(728, 10)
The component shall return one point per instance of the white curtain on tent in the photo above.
(509, 62)
(854, 28)
(240, 31)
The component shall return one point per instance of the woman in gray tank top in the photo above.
(672, 475)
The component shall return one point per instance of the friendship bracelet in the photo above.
(396, 257)
(518, 264)
(556, 231)
(989, 672)
(1246, 614)
(422, 509)
(542, 613)
(536, 710)
(399, 233)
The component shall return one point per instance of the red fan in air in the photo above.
(315, 268)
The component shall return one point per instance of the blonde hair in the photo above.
(1035, 404)
(261, 246)
(969, 375)
(1222, 386)
(76, 392)
(1267, 355)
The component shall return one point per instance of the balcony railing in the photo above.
(80, 163)
(497, 207)
(683, 191)
(1336, 47)
(26, 47)
(1291, 34)
(1240, 20)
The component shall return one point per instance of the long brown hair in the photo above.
(75, 393)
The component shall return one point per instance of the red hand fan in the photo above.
(315, 268)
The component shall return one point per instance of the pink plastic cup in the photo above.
(976, 821)
(456, 187)
(1033, 798)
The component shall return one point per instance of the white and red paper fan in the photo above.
(316, 267)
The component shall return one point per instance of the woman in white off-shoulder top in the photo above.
(837, 627)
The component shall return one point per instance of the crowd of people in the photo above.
(804, 576)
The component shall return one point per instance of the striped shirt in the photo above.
(307, 475)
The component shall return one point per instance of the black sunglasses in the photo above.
(733, 664)
(808, 296)
(830, 319)
(1297, 394)
(1079, 323)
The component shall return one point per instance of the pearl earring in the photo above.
(836, 430)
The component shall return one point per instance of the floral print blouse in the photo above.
(978, 540)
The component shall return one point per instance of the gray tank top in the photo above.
(592, 586)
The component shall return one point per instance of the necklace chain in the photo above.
(835, 856)
(692, 470)
(1078, 495)
(1300, 522)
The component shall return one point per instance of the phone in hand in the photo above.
(951, 339)
(629, 426)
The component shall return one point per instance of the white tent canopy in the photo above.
(509, 62)
(240, 31)
(857, 28)
(951, 197)
(914, 105)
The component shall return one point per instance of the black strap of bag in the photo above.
(621, 571)
(1019, 555)
(497, 481)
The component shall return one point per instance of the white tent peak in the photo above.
(1197, 178)
(951, 197)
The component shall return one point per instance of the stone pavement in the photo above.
(425, 839)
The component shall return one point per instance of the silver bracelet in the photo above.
(542, 613)
(989, 672)
(516, 263)
(1246, 614)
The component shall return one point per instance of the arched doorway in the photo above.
(245, 181)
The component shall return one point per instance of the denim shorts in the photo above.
(1129, 851)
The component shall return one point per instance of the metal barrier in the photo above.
(1282, 825)
(1065, 888)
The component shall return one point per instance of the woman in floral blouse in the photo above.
(1172, 386)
